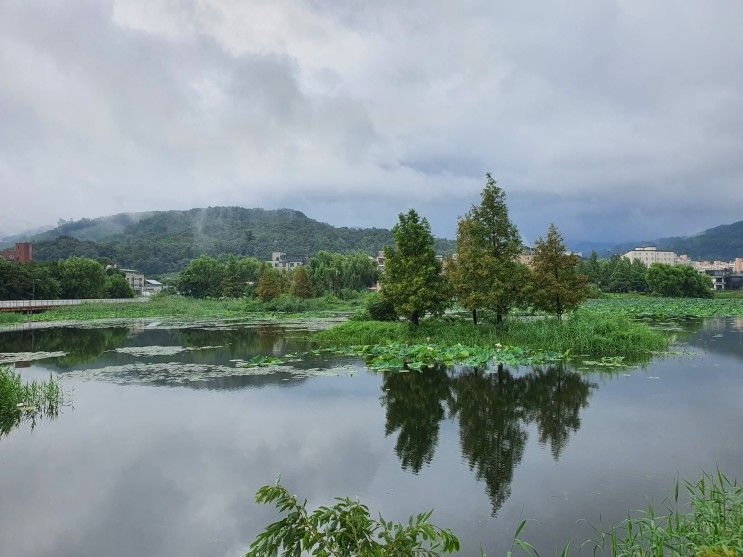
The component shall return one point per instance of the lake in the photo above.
(168, 439)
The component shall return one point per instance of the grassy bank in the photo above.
(187, 308)
(650, 307)
(21, 401)
(582, 335)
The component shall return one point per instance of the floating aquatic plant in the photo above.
(396, 356)
(146, 351)
(14, 357)
(177, 373)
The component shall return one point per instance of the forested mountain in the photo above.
(721, 242)
(165, 241)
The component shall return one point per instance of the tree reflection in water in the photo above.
(416, 403)
(493, 408)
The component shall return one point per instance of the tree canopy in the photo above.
(557, 286)
(486, 272)
(678, 281)
(412, 280)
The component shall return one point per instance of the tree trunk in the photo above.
(414, 318)
(498, 317)
(474, 316)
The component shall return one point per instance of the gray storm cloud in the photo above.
(616, 120)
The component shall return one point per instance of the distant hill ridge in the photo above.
(164, 241)
(723, 242)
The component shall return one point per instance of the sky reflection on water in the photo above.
(143, 469)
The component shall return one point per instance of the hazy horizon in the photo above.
(617, 121)
(572, 242)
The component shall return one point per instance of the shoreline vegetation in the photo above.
(579, 337)
(636, 306)
(175, 306)
(607, 332)
(708, 523)
(21, 402)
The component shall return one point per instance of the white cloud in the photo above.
(352, 111)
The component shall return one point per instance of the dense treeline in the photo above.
(485, 273)
(326, 273)
(72, 278)
(621, 275)
(165, 241)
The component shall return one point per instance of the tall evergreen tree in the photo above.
(468, 272)
(557, 285)
(498, 233)
(413, 283)
(301, 286)
(639, 277)
(234, 281)
(592, 269)
(621, 277)
(269, 284)
(486, 272)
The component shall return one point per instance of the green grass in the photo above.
(722, 305)
(21, 401)
(582, 334)
(187, 308)
(711, 525)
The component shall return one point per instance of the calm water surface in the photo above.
(169, 439)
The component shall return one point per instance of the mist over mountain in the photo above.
(164, 241)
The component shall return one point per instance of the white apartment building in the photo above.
(135, 280)
(284, 262)
(649, 255)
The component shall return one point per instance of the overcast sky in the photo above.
(616, 120)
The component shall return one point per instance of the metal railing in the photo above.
(21, 305)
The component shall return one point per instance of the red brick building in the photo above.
(22, 252)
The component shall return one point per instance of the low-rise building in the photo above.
(284, 262)
(704, 266)
(22, 253)
(720, 278)
(152, 286)
(378, 260)
(135, 280)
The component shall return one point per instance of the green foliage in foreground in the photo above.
(711, 527)
(344, 529)
(581, 334)
(21, 401)
(188, 308)
(665, 308)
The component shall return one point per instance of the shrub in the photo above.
(380, 309)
